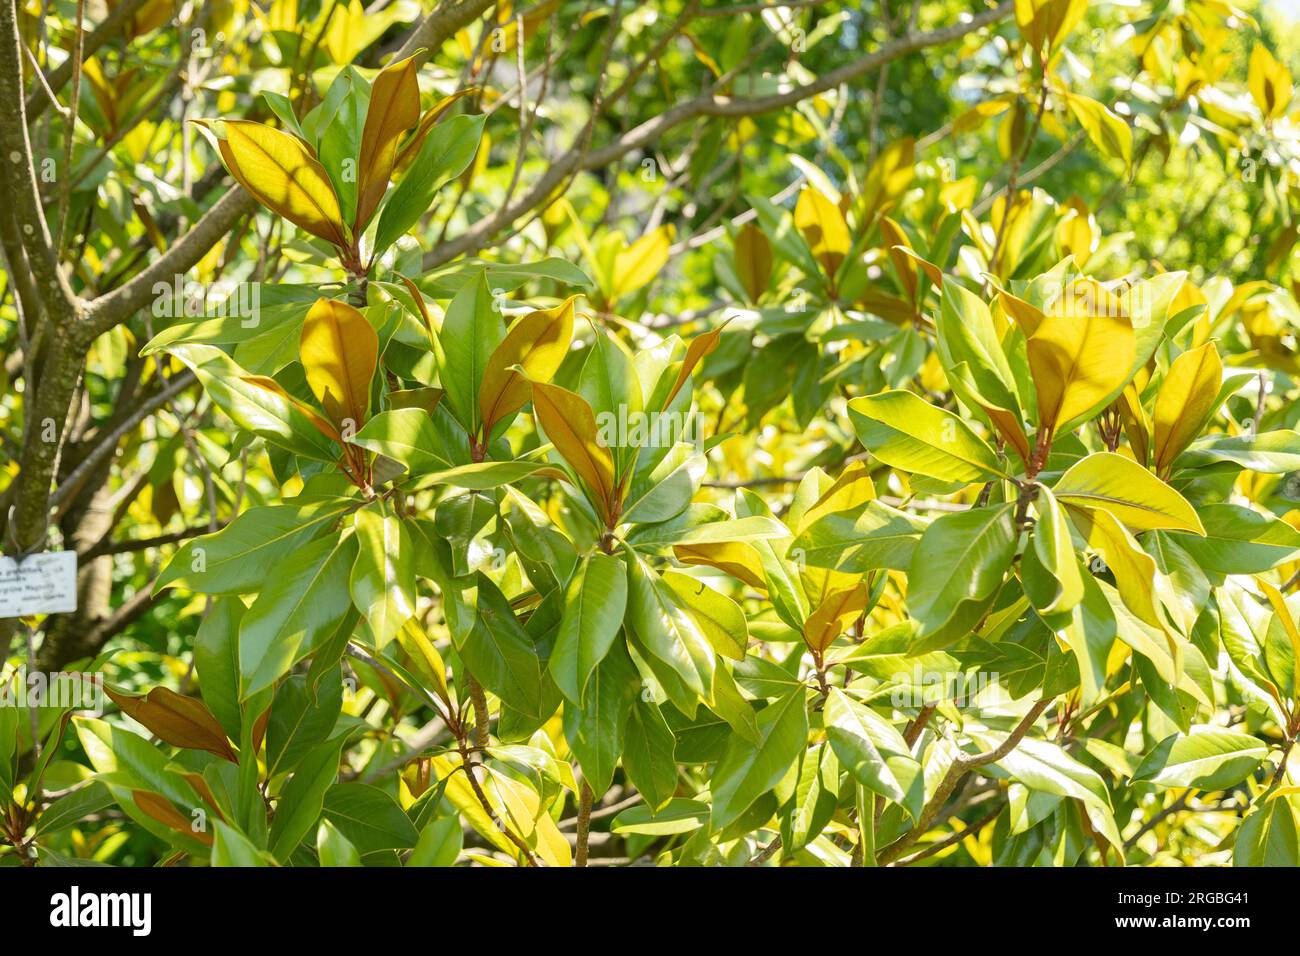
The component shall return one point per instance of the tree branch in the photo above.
(710, 104)
(110, 28)
(19, 177)
(118, 305)
(444, 22)
(961, 765)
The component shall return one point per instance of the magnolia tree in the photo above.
(808, 434)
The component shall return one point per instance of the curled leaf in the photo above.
(178, 720)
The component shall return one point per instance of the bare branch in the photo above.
(18, 177)
(710, 104)
(444, 22)
(118, 305)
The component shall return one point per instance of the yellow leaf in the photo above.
(283, 176)
(640, 262)
(339, 351)
(834, 615)
(452, 774)
(934, 273)
(1082, 353)
(1133, 568)
(852, 488)
(1136, 422)
(1288, 624)
(424, 657)
(1187, 401)
(1128, 491)
(1269, 81)
(1010, 428)
(570, 425)
(823, 227)
(888, 178)
(538, 343)
(1108, 132)
(753, 260)
(394, 108)
(1076, 232)
(347, 26)
(959, 194)
(736, 558)
(1045, 23)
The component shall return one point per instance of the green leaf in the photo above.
(1050, 569)
(1270, 453)
(299, 607)
(232, 848)
(1268, 836)
(263, 412)
(910, 434)
(369, 818)
(300, 803)
(72, 807)
(340, 139)
(300, 719)
(471, 331)
(816, 795)
(673, 641)
(783, 585)
(747, 771)
(241, 557)
(408, 437)
(501, 654)
(216, 660)
(382, 581)
(1208, 758)
(593, 614)
(482, 475)
(1240, 540)
(248, 315)
(679, 815)
(333, 848)
(610, 386)
(112, 750)
(719, 617)
(506, 276)
(962, 557)
(1089, 629)
(8, 742)
(1128, 491)
(648, 754)
(447, 150)
(595, 731)
(871, 749)
(968, 340)
(718, 528)
(870, 536)
(439, 844)
(668, 489)
(1044, 766)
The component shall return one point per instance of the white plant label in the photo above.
(39, 584)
